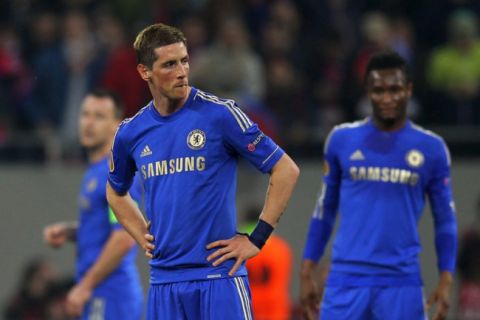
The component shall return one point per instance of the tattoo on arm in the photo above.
(281, 213)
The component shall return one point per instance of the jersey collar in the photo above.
(176, 114)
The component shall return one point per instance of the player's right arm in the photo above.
(57, 234)
(131, 218)
(321, 226)
(443, 210)
(120, 178)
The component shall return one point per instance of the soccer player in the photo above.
(108, 284)
(186, 143)
(377, 173)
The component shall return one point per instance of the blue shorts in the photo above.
(225, 298)
(114, 307)
(373, 303)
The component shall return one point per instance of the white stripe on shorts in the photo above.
(243, 299)
(97, 309)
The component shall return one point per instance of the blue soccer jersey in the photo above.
(96, 224)
(378, 181)
(188, 163)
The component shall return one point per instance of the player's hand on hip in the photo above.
(148, 246)
(55, 235)
(441, 297)
(309, 298)
(76, 300)
(238, 247)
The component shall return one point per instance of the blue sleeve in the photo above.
(136, 190)
(443, 209)
(243, 137)
(324, 215)
(122, 166)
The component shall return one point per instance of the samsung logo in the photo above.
(384, 174)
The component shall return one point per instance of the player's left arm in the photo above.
(117, 246)
(241, 247)
(439, 192)
(243, 137)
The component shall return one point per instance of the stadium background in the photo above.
(296, 68)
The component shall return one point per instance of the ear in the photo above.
(144, 72)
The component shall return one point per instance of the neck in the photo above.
(98, 153)
(166, 106)
(389, 125)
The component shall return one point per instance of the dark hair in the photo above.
(388, 59)
(152, 37)
(118, 105)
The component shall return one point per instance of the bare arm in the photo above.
(282, 181)
(116, 247)
(131, 218)
(312, 280)
(441, 296)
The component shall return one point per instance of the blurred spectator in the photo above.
(56, 307)
(285, 98)
(330, 15)
(431, 19)
(454, 72)
(195, 30)
(269, 274)
(469, 270)
(230, 67)
(328, 110)
(30, 301)
(256, 13)
(280, 34)
(64, 73)
(15, 82)
(235, 47)
(284, 12)
(402, 38)
(120, 74)
(82, 62)
(377, 36)
(327, 75)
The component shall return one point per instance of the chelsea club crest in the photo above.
(415, 158)
(196, 139)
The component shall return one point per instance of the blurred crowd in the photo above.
(40, 294)
(296, 67)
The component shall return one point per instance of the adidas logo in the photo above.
(357, 155)
(146, 151)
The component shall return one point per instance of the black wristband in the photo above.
(260, 234)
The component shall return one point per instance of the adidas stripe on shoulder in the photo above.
(242, 119)
(346, 125)
(437, 137)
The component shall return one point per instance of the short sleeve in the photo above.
(245, 137)
(122, 166)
